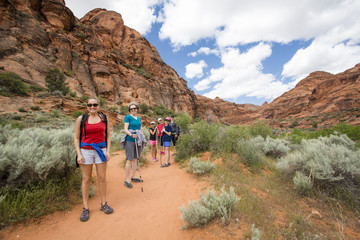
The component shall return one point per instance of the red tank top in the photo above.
(95, 133)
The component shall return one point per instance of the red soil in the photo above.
(152, 214)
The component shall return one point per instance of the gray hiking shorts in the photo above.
(130, 150)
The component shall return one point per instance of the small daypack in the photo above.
(82, 126)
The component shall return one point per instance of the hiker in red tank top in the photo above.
(93, 133)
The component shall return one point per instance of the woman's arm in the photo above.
(108, 141)
(77, 139)
(126, 128)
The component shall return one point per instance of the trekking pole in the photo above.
(137, 155)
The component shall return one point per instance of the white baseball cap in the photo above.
(152, 122)
(159, 119)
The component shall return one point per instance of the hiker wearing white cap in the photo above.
(153, 141)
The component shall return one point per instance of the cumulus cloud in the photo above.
(195, 69)
(333, 52)
(137, 14)
(206, 51)
(241, 75)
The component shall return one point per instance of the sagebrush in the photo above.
(209, 206)
(199, 167)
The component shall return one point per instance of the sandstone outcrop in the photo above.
(102, 56)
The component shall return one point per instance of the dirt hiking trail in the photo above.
(152, 214)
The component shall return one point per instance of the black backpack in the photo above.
(82, 126)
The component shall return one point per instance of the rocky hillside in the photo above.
(102, 56)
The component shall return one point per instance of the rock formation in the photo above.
(102, 56)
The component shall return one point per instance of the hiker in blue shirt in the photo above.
(166, 137)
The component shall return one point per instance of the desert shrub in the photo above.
(255, 232)
(43, 95)
(102, 101)
(199, 167)
(162, 111)
(22, 109)
(260, 129)
(183, 147)
(330, 162)
(227, 138)
(35, 154)
(249, 153)
(203, 135)
(55, 81)
(11, 82)
(57, 93)
(76, 114)
(72, 94)
(84, 98)
(123, 110)
(303, 184)
(183, 120)
(143, 108)
(276, 147)
(35, 108)
(208, 207)
(30, 201)
(41, 119)
(56, 113)
(35, 88)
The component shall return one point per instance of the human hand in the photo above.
(134, 136)
(80, 159)
(107, 155)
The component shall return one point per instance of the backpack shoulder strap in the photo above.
(82, 125)
(104, 120)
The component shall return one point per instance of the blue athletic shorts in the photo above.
(166, 144)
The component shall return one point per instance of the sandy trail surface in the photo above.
(151, 214)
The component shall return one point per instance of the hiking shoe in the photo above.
(106, 208)
(85, 215)
(127, 184)
(134, 179)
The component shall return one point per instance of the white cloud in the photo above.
(195, 69)
(206, 51)
(241, 76)
(137, 14)
(333, 52)
(232, 22)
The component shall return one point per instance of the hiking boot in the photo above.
(106, 208)
(85, 215)
(127, 184)
(134, 179)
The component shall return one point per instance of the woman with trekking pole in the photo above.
(92, 143)
(134, 141)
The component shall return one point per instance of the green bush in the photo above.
(183, 120)
(22, 109)
(330, 162)
(227, 139)
(303, 184)
(162, 111)
(24, 202)
(35, 108)
(249, 153)
(144, 108)
(199, 167)
(84, 98)
(55, 81)
(203, 135)
(72, 94)
(11, 82)
(208, 207)
(35, 154)
(276, 147)
(76, 114)
(57, 93)
(123, 110)
(260, 129)
(183, 148)
(102, 101)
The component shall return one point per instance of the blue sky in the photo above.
(243, 51)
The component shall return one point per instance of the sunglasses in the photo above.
(133, 109)
(92, 104)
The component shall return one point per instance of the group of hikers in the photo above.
(93, 141)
